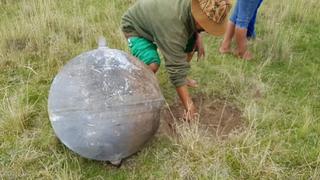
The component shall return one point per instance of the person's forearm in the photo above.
(185, 97)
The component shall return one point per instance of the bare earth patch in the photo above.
(216, 117)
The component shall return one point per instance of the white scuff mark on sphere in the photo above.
(87, 101)
(55, 118)
(124, 63)
(117, 133)
(96, 70)
(91, 125)
(105, 86)
(121, 98)
(126, 85)
(92, 133)
(85, 92)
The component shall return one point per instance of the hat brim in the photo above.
(208, 25)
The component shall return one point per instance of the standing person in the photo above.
(173, 26)
(241, 26)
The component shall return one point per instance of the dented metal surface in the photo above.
(105, 105)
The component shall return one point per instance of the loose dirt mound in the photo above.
(217, 117)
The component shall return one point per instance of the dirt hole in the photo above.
(216, 117)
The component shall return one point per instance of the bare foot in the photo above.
(223, 50)
(246, 55)
(192, 83)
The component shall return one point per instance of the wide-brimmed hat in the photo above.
(212, 15)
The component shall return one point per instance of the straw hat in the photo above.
(212, 15)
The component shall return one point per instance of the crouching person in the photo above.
(173, 26)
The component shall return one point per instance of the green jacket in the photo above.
(168, 23)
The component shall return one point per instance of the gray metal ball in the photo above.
(105, 105)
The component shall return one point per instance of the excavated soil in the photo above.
(216, 117)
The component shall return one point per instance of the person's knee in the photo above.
(154, 67)
(145, 51)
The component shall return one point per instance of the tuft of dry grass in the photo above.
(16, 114)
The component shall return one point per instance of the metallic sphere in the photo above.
(105, 105)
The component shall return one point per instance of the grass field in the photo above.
(281, 136)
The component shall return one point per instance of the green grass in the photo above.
(281, 138)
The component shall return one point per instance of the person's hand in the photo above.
(200, 47)
(191, 114)
(190, 109)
